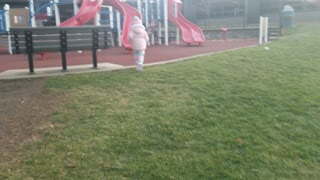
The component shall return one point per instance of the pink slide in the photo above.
(87, 11)
(129, 12)
(90, 8)
(190, 32)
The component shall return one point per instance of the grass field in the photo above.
(251, 114)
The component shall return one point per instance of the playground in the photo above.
(201, 109)
(156, 17)
(243, 114)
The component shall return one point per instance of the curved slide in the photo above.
(87, 11)
(129, 12)
(190, 32)
(90, 8)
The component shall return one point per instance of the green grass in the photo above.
(246, 114)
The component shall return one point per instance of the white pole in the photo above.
(151, 20)
(97, 19)
(75, 6)
(139, 6)
(49, 11)
(6, 7)
(119, 28)
(261, 30)
(146, 13)
(158, 9)
(245, 21)
(166, 22)
(32, 14)
(159, 23)
(57, 13)
(111, 21)
(176, 14)
(266, 25)
(152, 38)
(159, 33)
(51, 6)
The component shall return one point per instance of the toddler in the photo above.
(138, 38)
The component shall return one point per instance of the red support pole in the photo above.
(224, 32)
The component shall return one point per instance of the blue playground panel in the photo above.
(104, 14)
(3, 27)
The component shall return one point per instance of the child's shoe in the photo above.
(140, 67)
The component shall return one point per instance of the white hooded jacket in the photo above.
(138, 37)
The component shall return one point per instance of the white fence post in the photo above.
(263, 31)
(266, 29)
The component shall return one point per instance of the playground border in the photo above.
(103, 67)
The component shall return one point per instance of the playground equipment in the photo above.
(190, 32)
(87, 11)
(3, 28)
(129, 12)
(224, 33)
(52, 8)
(4, 20)
(5, 24)
(108, 16)
(166, 10)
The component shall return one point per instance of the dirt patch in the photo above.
(25, 110)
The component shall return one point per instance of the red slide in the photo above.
(87, 11)
(190, 32)
(90, 8)
(129, 12)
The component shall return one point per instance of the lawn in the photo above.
(247, 114)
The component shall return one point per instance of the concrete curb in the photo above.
(102, 67)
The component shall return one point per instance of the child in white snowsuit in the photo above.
(138, 38)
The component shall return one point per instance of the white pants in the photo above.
(139, 59)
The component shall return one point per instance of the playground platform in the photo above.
(16, 66)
